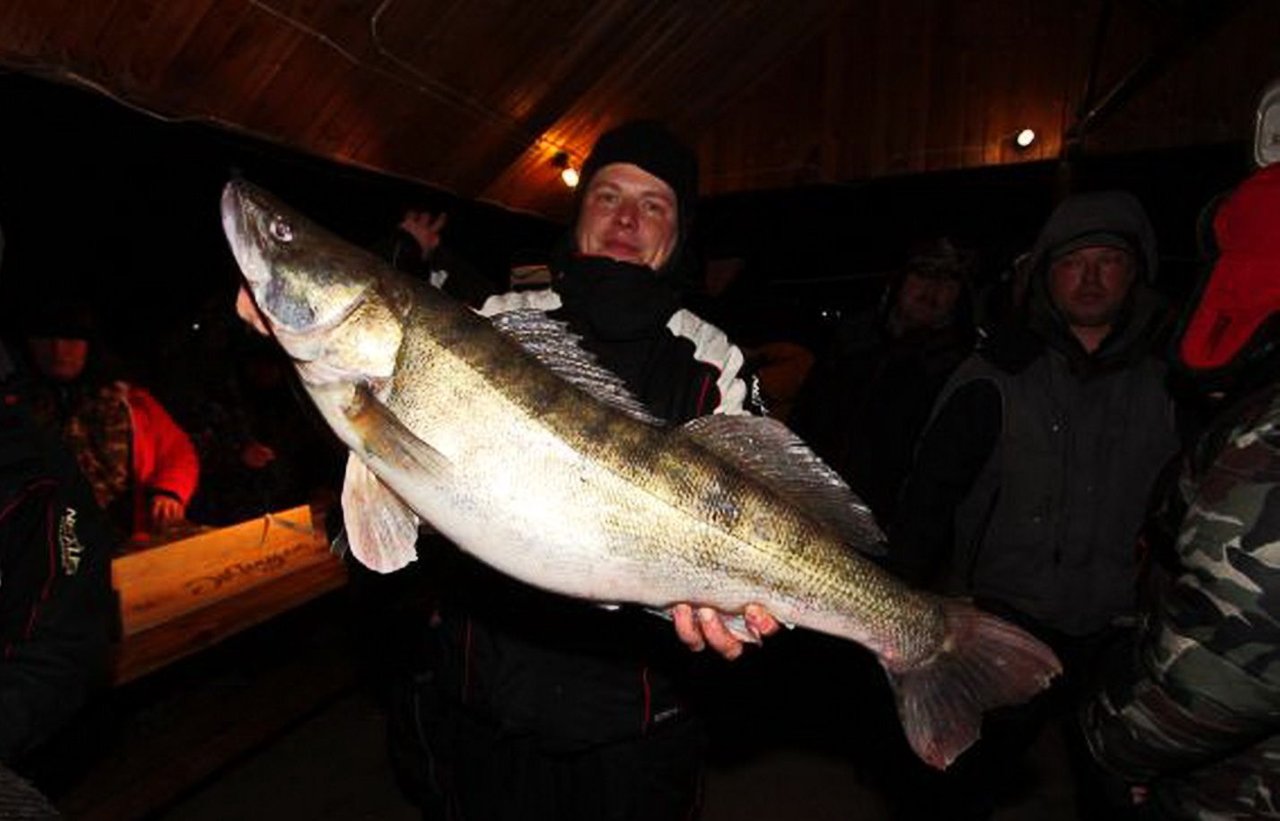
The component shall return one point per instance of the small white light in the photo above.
(1025, 138)
(570, 177)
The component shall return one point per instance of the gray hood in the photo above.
(1101, 212)
(1144, 319)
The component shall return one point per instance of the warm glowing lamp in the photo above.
(568, 173)
(1025, 138)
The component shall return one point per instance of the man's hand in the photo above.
(249, 312)
(256, 455)
(165, 510)
(706, 626)
(424, 227)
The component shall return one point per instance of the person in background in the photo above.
(865, 405)
(55, 594)
(544, 707)
(1031, 482)
(416, 247)
(141, 466)
(1187, 716)
(230, 389)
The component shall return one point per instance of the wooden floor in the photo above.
(279, 723)
(333, 768)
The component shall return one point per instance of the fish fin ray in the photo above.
(380, 528)
(552, 343)
(768, 450)
(986, 663)
(385, 439)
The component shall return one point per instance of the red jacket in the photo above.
(164, 460)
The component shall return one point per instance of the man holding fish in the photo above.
(566, 459)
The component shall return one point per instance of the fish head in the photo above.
(322, 298)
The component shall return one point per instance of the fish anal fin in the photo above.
(380, 528)
(986, 663)
(735, 623)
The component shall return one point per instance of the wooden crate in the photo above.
(177, 598)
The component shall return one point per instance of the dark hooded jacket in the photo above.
(1190, 710)
(55, 554)
(871, 393)
(1031, 481)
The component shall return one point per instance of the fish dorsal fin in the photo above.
(560, 350)
(768, 450)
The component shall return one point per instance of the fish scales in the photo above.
(450, 421)
(679, 473)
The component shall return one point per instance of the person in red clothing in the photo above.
(141, 465)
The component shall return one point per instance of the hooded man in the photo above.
(1031, 481)
(1189, 717)
(546, 707)
(866, 402)
(55, 585)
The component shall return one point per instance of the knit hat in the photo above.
(941, 258)
(649, 145)
(59, 317)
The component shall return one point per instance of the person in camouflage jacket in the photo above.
(1191, 721)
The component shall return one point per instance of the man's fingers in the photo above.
(682, 616)
(717, 635)
(760, 620)
(249, 312)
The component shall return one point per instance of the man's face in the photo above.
(1089, 285)
(926, 302)
(59, 359)
(628, 215)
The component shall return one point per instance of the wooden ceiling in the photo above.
(477, 96)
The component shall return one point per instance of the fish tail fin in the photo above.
(985, 662)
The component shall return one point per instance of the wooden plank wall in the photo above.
(909, 86)
(476, 97)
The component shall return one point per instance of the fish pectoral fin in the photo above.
(386, 440)
(380, 528)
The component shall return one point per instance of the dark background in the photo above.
(119, 208)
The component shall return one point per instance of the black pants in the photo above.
(461, 768)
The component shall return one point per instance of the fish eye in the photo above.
(281, 230)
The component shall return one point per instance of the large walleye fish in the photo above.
(513, 443)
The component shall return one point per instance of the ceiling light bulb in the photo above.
(1025, 138)
(570, 177)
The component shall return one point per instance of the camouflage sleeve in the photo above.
(1204, 682)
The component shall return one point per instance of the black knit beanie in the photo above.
(649, 145)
